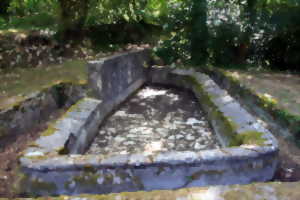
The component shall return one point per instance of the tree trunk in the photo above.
(73, 17)
(4, 4)
(250, 16)
(199, 35)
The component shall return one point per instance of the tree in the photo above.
(199, 35)
(4, 4)
(73, 16)
(250, 17)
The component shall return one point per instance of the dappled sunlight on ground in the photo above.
(155, 120)
(284, 88)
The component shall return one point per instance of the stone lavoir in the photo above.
(148, 128)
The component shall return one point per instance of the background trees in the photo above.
(221, 32)
(199, 34)
(4, 4)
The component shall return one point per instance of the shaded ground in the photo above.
(9, 155)
(284, 87)
(155, 119)
(289, 161)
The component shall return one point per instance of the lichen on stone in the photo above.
(86, 179)
(3, 131)
(33, 186)
(49, 131)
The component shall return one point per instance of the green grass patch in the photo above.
(20, 82)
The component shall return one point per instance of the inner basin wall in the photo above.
(112, 80)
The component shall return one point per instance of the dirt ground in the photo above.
(289, 161)
(10, 149)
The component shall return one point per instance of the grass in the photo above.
(280, 86)
(22, 81)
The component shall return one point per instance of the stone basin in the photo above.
(82, 152)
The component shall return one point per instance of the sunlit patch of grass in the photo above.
(281, 86)
(23, 81)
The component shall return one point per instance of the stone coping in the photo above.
(279, 121)
(45, 155)
(76, 162)
(257, 191)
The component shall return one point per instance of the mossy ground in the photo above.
(22, 81)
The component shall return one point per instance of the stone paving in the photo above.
(155, 120)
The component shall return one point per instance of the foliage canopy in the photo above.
(220, 32)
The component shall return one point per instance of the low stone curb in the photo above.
(287, 126)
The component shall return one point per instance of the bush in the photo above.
(37, 21)
(225, 44)
(282, 49)
(176, 44)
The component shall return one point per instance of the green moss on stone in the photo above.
(3, 131)
(137, 181)
(49, 131)
(25, 184)
(33, 144)
(108, 179)
(63, 151)
(248, 137)
(122, 174)
(86, 179)
(89, 168)
(226, 125)
(12, 102)
(37, 186)
(197, 175)
(76, 106)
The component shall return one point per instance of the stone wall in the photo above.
(34, 109)
(109, 77)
